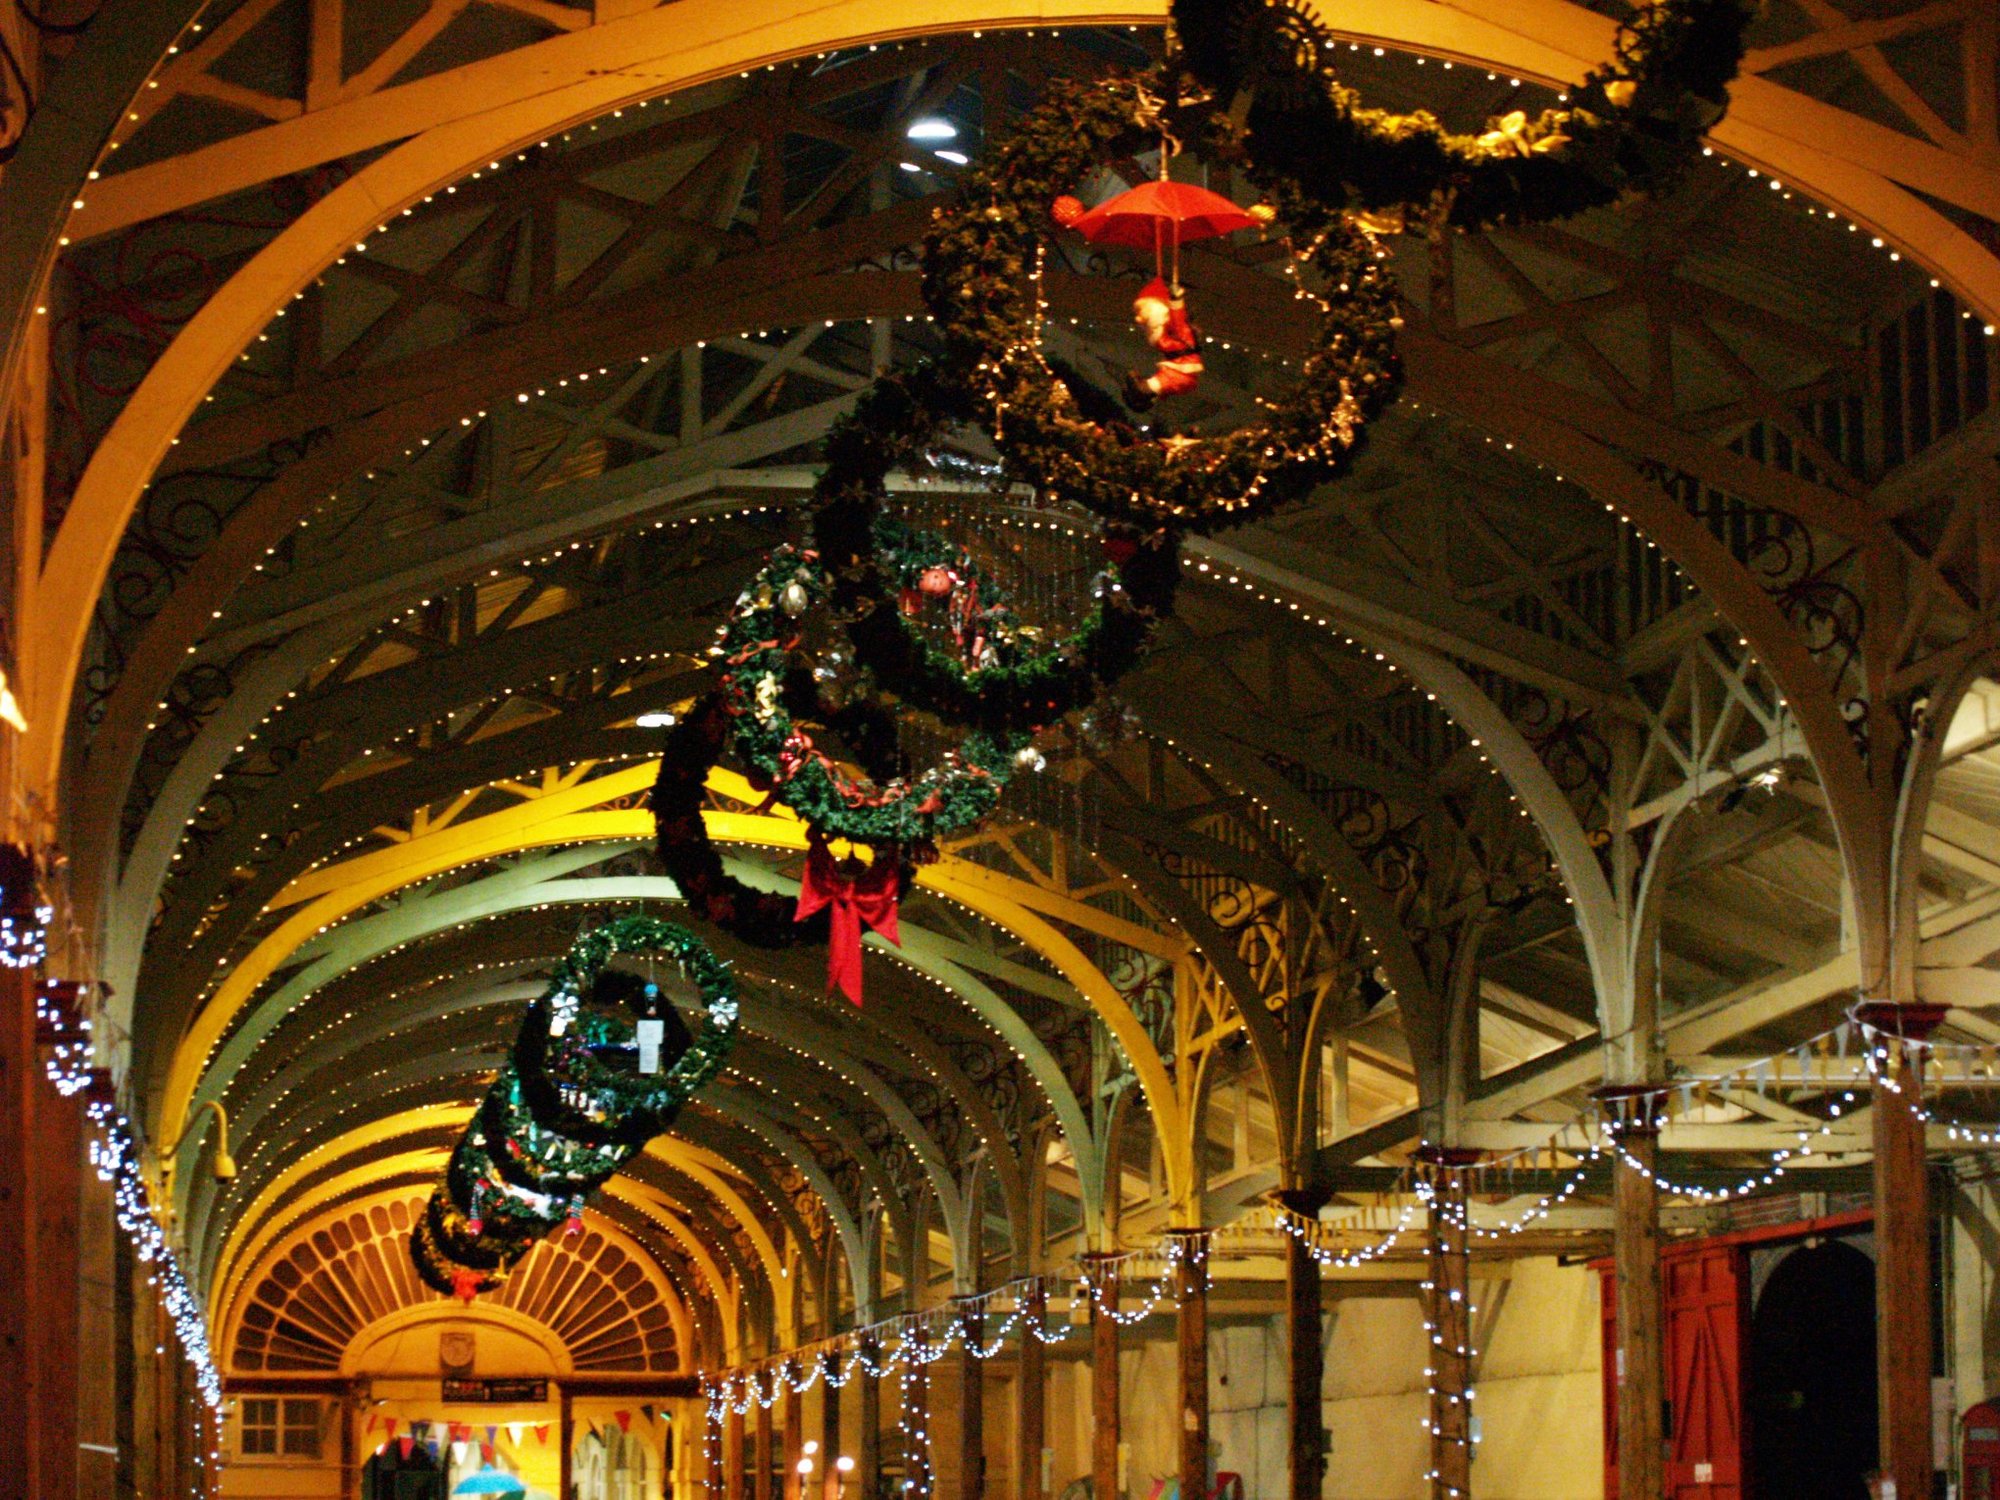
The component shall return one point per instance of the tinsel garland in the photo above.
(560, 1118)
(1633, 124)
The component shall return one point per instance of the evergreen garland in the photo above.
(1633, 124)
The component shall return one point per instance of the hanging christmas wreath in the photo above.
(1016, 680)
(903, 814)
(585, 1087)
(983, 270)
(764, 919)
(581, 1066)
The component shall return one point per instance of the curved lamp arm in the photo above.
(224, 1166)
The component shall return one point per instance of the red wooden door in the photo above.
(1608, 1296)
(1704, 1293)
(1705, 1296)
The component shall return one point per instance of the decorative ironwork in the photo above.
(1565, 740)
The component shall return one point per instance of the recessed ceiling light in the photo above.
(932, 128)
(956, 158)
(658, 719)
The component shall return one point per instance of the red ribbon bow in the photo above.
(867, 898)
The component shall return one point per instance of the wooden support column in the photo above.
(1191, 1283)
(20, 1369)
(1641, 1351)
(712, 1450)
(828, 1467)
(351, 1401)
(733, 1455)
(971, 1401)
(1448, 1291)
(917, 1466)
(795, 1419)
(1902, 1247)
(566, 1432)
(1305, 1355)
(762, 1451)
(868, 1472)
(1031, 1396)
(1103, 1378)
(98, 1413)
(58, 1204)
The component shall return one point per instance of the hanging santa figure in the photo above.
(1161, 312)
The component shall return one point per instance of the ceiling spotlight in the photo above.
(933, 128)
(659, 718)
(956, 158)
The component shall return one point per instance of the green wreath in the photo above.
(901, 814)
(567, 1085)
(983, 264)
(562, 1116)
(874, 558)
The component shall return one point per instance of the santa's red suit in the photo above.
(1164, 317)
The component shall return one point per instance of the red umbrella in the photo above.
(1156, 213)
(1162, 214)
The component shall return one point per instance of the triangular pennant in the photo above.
(492, 1433)
(389, 1425)
(420, 1430)
(646, 1410)
(458, 1450)
(514, 1431)
(625, 1420)
(486, 1454)
(374, 1420)
(406, 1446)
(542, 1433)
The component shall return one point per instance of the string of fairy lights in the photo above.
(1438, 1192)
(115, 1154)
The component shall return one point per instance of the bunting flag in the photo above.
(646, 1411)
(460, 1431)
(420, 1430)
(458, 1450)
(542, 1433)
(373, 1421)
(389, 1425)
(492, 1434)
(406, 1445)
(486, 1454)
(514, 1431)
(624, 1420)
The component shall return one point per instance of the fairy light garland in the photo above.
(115, 1155)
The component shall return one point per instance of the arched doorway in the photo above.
(1811, 1393)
